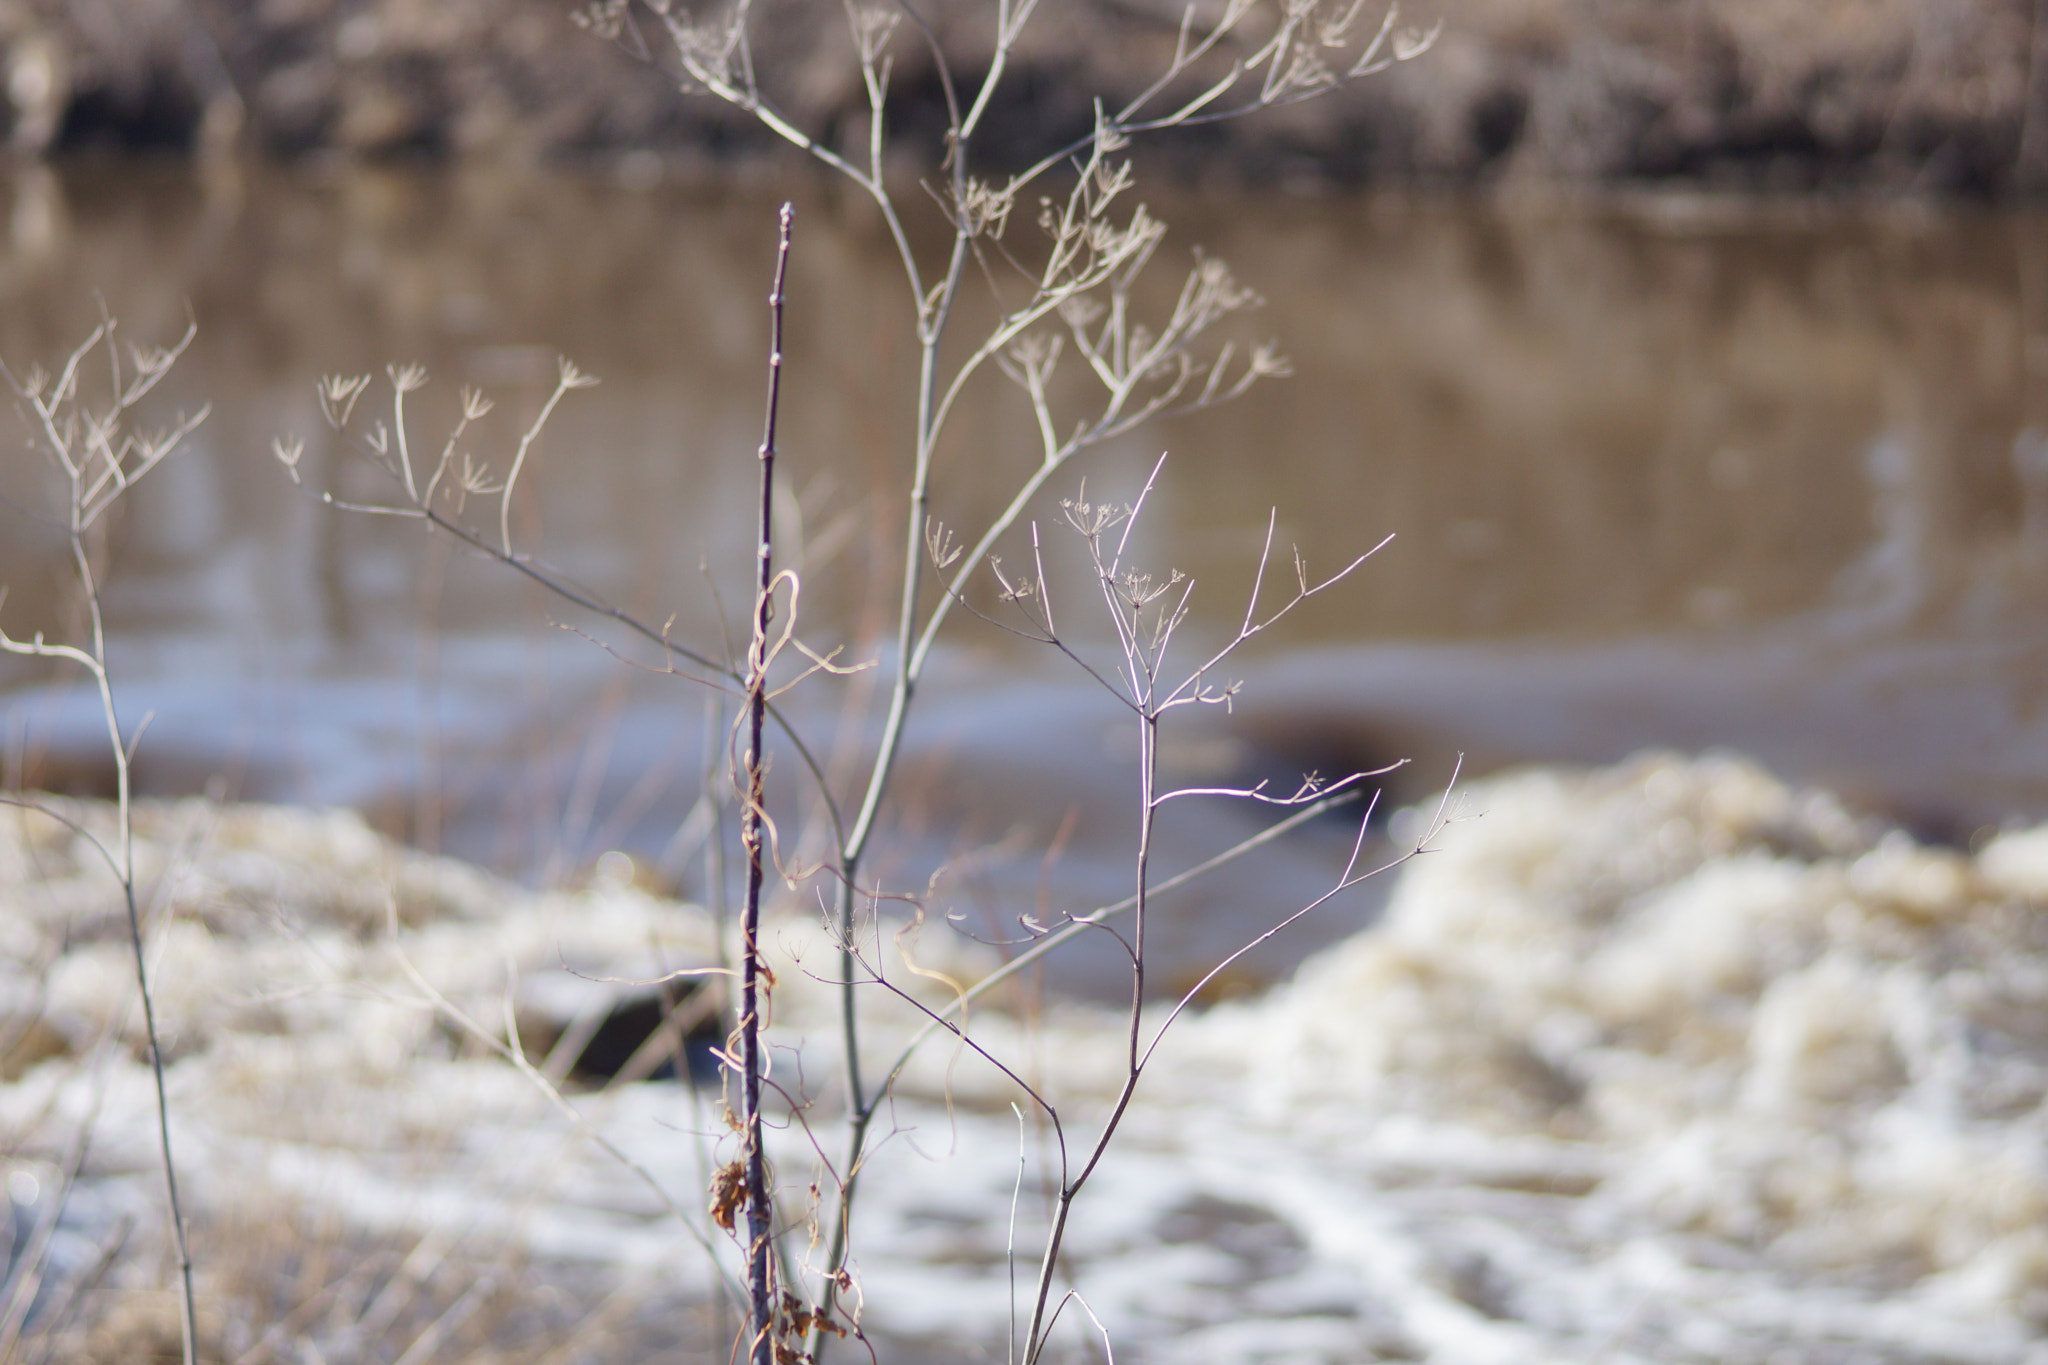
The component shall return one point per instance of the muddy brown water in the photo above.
(1769, 476)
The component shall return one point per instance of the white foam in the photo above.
(1661, 1063)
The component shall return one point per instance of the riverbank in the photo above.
(1892, 97)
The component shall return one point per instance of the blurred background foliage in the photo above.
(1940, 97)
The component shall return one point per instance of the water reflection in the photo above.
(1660, 472)
(1580, 421)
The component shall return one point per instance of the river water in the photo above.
(1662, 1064)
(1664, 471)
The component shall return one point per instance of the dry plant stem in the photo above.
(1088, 255)
(124, 861)
(1147, 613)
(914, 639)
(934, 313)
(101, 457)
(760, 1211)
(1035, 1335)
(187, 1310)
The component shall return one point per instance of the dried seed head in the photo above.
(338, 394)
(605, 18)
(873, 26)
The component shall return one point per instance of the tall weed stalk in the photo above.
(87, 433)
(753, 821)
(1070, 299)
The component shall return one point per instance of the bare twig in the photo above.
(760, 1278)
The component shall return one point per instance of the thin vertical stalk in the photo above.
(188, 1324)
(760, 1265)
(109, 464)
(124, 813)
(1148, 804)
(933, 316)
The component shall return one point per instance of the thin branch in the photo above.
(568, 377)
